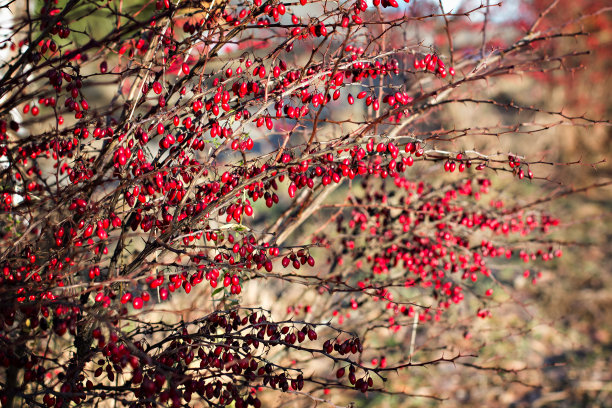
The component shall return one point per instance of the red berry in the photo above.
(137, 302)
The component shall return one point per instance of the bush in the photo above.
(205, 202)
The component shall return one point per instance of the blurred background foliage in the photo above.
(553, 346)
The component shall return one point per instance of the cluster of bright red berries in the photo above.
(428, 259)
(433, 63)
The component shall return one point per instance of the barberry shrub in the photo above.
(205, 203)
